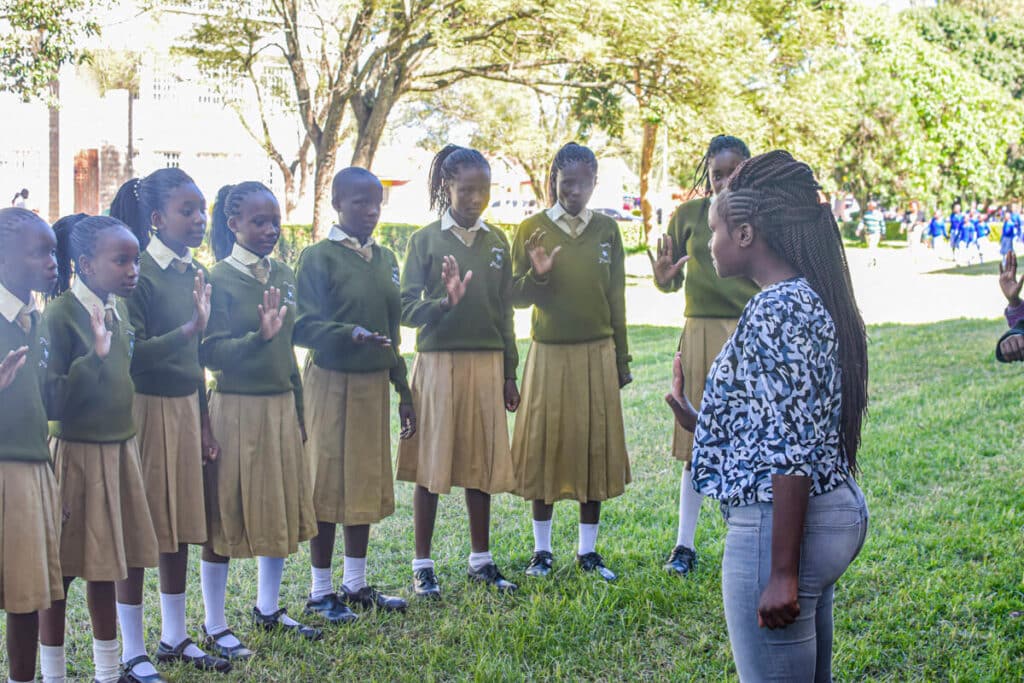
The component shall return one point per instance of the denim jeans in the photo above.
(834, 532)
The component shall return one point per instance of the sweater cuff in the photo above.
(1014, 314)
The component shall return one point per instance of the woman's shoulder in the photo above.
(787, 302)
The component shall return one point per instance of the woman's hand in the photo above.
(454, 284)
(779, 605)
(10, 365)
(540, 260)
(511, 394)
(1012, 347)
(271, 317)
(101, 335)
(625, 377)
(683, 410)
(211, 447)
(361, 335)
(201, 293)
(664, 268)
(407, 420)
(1008, 281)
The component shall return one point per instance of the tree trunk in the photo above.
(323, 174)
(54, 208)
(129, 165)
(290, 200)
(650, 137)
(372, 112)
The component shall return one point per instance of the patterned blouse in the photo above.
(772, 401)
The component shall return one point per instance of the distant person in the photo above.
(1010, 234)
(970, 233)
(936, 231)
(20, 200)
(956, 230)
(914, 222)
(872, 225)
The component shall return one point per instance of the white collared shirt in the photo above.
(164, 255)
(241, 258)
(11, 306)
(338, 234)
(557, 214)
(89, 300)
(448, 222)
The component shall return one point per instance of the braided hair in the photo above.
(11, 221)
(77, 236)
(780, 197)
(445, 167)
(138, 198)
(719, 144)
(228, 205)
(570, 153)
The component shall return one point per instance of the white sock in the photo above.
(105, 662)
(354, 577)
(214, 577)
(542, 535)
(323, 583)
(478, 561)
(133, 639)
(268, 592)
(689, 510)
(52, 663)
(588, 538)
(424, 563)
(172, 623)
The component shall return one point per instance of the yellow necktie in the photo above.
(261, 271)
(465, 236)
(574, 223)
(108, 315)
(179, 265)
(365, 251)
(24, 318)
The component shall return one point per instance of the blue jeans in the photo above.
(834, 532)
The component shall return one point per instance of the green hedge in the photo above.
(892, 231)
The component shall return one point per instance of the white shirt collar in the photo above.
(338, 234)
(164, 255)
(89, 300)
(558, 211)
(448, 222)
(10, 305)
(241, 258)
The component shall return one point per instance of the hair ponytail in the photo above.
(445, 167)
(138, 198)
(227, 206)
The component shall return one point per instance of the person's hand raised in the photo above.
(665, 269)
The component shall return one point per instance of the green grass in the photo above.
(930, 598)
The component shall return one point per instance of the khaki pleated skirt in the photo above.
(30, 573)
(348, 418)
(259, 494)
(700, 343)
(462, 433)
(108, 527)
(569, 440)
(170, 447)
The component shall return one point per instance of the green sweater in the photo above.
(23, 428)
(707, 295)
(89, 397)
(482, 321)
(583, 298)
(165, 363)
(339, 291)
(241, 360)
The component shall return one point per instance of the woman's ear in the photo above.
(233, 224)
(83, 266)
(156, 220)
(744, 235)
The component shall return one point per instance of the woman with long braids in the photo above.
(713, 306)
(777, 434)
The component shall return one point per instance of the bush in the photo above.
(892, 231)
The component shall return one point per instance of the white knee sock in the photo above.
(478, 561)
(133, 638)
(172, 623)
(354, 577)
(588, 538)
(323, 582)
(268, 592)
(52, 663)
(214, 577)
(542, 535)
(422, 563)
(689, 510)
(104, 657)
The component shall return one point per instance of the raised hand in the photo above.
(541, 261)
(407, 419)
(201, 293)
(361, 335)
(454, 284)
(101, 335)
(10, 365)
(1008, 281)
(271, 316)
(664, 268)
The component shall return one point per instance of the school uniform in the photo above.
(463, 358)
(30, 518)
(936, 231)
(712, 306)
(343, 284)
(1008, 237)
(170, 388)
(569, 440)
(96, 456)
(957, 236)
(259, 498)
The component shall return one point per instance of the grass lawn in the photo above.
(932, 596)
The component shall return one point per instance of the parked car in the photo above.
(618, 215)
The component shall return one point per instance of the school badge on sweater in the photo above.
(497, 257)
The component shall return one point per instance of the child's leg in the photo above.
(542, 514)
(590, 517)
(173, 574)
(22, 630)
(357, 541)
(270, 570)
(424, 512)
(478, 505)
(214, 577)
(689, 509)
(101, 596)
(321, 553)
(52, 663)
(129, 614)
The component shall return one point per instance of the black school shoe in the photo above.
(681, 561)
(425, 584)
(272, 622)
(369, 597)
(331, 609)
(540, 563)
(166, 654)
(127, 676)
(234, 653)
(592, 562)
(489, 575)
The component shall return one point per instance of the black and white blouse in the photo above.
(772, 401)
